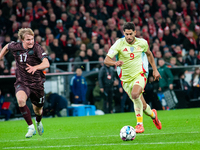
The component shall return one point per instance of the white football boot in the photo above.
(40, 128)
(31, 131)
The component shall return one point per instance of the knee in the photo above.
(135, 95)
(144, 107)
(38, 111)
(21, 102)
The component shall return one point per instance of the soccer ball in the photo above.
(127, 133)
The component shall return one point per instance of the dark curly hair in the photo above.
(129, 26)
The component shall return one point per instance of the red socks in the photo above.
(25, 111)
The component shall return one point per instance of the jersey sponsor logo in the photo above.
(125, 50)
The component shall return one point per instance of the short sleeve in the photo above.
(40, 52)
(145, 45)
(114, 49)
(12, 46)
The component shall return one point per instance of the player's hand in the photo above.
(76, 97)
(31, 69)
(119, 63)
(156, 75)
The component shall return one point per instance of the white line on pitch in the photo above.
(31, 139)
(95, 145)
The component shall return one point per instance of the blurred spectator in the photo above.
(98, 99)
(56, 104)
(85, 38)
(100, 64)
(172, 62)
(167, 54)
(39, 6)
(93, 41)
(106, 79)
(166, 82)
(64, 59)
(4, 70)
(150, 93)
(191, 59)
(195, 83)
(189, 23)
(66, 20)
(59, 28)
(52, 58)
(42, 28)
(13, 68)
(101, 53)
(103, 14)
(20, 11)
(180, 60)
(182, 84)
(38, 39)
(52, 22)
(81, 58)
(7, 8)
(117, 95)
(70, 49)
(46, 48)
(55, 47)
(82, 48)
(57, 8)
(176, 36)
(63, 41)
(5, 110)
(167, 36)
(78, 87)
(9, 57)
(92, 56)
(152, 27)
(189, 42)
(177, 50)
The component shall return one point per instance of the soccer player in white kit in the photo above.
(132, 68)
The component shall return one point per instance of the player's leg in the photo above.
(37, 100)
(38, 112)
(151, 112)
(138, 107)
(25, 111)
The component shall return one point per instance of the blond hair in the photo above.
(23, 31)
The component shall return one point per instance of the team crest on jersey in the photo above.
(132, 49)
(138, 48)
(125, 50)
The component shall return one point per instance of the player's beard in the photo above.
(130, 41)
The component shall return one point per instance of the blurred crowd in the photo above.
(84, 30)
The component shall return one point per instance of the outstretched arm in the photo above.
(4, 51)
(150, 57)
(109, 62)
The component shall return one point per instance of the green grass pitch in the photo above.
(180, 131)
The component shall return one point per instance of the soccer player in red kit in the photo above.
(30, 61)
